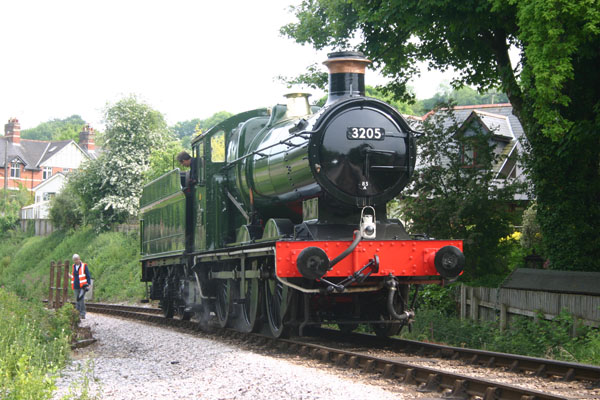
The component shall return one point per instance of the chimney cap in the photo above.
(352, 62)
(346, 54)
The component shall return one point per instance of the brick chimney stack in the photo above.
(86, 138)
(12, 131)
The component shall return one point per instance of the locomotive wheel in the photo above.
(391, 329)
(223, 302)
(167, 307)
(277, 299)
(347, 328)
(182, 314)
(250, 306)
(387, 330)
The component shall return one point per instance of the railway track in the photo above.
(451, 385)
(540, 367)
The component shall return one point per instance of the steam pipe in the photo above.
(392, 289)
(350, 249)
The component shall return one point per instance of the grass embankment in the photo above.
(113, 259)
(437, 321)
(34, 345)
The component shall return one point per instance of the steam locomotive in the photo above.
(286, 226)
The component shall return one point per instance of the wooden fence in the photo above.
(59, 284)
(492, 304)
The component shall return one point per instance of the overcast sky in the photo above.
(188, 59)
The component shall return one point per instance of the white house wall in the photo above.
(70, 156)
(53, 185)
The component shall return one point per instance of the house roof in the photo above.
(58, 175)
(496, 123)
(31, 152)
(461, 113)
(506, 128)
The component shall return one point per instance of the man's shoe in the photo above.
(82, 316)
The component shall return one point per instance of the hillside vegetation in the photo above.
(113, 259)
(34, 346)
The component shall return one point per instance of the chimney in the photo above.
(346, 74)
(86, 138)
(12, 130)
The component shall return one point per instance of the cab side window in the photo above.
(217, 147)
(199, 159)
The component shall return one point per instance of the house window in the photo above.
(15, 170)
(46, 173)
(48, 195)
(468, 156)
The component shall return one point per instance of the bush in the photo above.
(65, 209)
(11, 202)
(34, 345)
(434, 297)
(531, 238)
(536, 338)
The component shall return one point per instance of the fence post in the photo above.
(57, 295)
(503, 321)
(474, 306)
(463, 301)
(51, 285)
(65, 282)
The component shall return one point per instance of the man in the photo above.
(186, 160)
(80, 283)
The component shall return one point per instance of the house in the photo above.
(42, 195)
(507, 137)
(30, 162)
(41, 167)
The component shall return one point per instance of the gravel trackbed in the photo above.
(132, 360)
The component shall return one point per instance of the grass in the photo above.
(536, 338)
(113, 259)
(34, 345)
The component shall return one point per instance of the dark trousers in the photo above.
(80, 304)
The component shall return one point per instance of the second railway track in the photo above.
(452, 385)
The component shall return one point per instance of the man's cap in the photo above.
(76, 256)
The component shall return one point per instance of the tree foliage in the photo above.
(555, 89)
(110, 186)
(454, 194)
(66, 209)
(11, 202)
(185, 130)
(56, 129)
(464, 96)
(163, 160)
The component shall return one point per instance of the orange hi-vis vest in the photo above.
(82, 277)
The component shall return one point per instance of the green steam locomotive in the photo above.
(285, 225)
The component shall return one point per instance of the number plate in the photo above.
(365, 133)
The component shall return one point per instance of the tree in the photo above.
(56, 129)
(453, 194)
(163, 160)
(402, 106)
(110, 186)
(185, 130)
(554, 90)
(464, 96)
(11, 202)
(66, 209)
